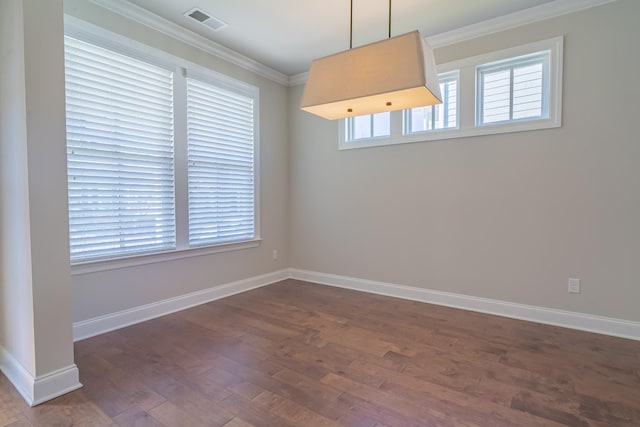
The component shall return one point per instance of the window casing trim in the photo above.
(181, 67)
(552, 110)
(467, 108)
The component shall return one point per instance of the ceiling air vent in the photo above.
(205, 18)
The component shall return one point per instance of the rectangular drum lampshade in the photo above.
(392, 74)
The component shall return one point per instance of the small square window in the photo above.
(436, 117)
(515, 89)
(368, 126)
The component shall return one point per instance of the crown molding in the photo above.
(158, 23)
(516, 19)
(298, 79)
(506, 22)
(528, 16)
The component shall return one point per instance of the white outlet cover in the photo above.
(574, 286)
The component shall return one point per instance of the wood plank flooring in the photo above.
(295, 354)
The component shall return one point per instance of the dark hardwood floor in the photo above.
(305, 355)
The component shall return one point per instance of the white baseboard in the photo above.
(100, 325)
(19, 376)
(54, 384)
(36, 390)
(567, 319)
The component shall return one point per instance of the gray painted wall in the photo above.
(509, 217)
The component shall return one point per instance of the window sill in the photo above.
(87, 267)
(441, 134)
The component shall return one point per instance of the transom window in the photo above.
(435, 117)
(511, 90)
(369, 126)
(515, 89)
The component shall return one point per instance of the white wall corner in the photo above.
(567, 319)
(102, 324)
(36, 390)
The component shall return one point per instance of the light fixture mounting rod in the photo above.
(389, 18)
(351, 27)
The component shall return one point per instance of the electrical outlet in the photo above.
(275, 254)
(574, 286)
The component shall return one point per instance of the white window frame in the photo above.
(467, 95)
(90, 33)
(350, 125)
(510, 64)
(445, 78)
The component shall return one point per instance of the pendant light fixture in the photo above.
(388, 75)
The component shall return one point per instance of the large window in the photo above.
(511, 90)
(158, 162)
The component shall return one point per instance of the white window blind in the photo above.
(434, 117)
(119, 153)
(220, 133)
(514, 90)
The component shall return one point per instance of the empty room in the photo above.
(357, 213)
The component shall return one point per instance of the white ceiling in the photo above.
(287, 34)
